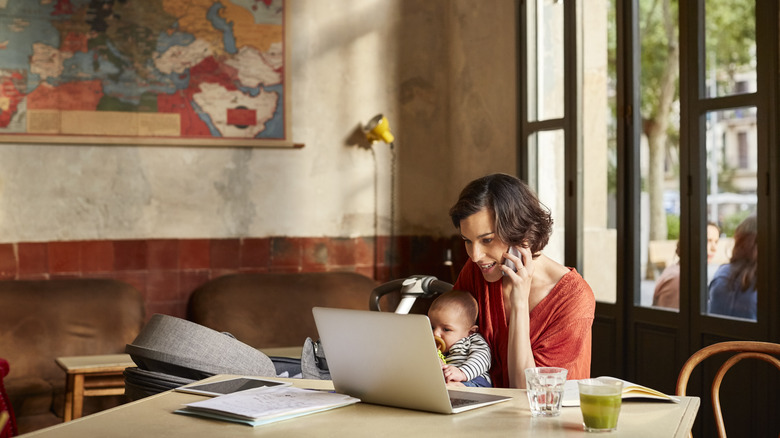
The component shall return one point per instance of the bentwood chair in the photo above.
(765, 351)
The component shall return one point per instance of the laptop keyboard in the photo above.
(460, 402)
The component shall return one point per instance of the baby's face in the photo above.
(450, 325)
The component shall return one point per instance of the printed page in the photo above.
(268, 403)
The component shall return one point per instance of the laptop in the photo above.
(390, 359)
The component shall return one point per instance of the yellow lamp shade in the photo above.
(378, 129)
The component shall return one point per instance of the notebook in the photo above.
(389, 359)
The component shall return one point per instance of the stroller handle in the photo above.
(411, 288)
(438, 287)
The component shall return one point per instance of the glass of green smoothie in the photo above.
(600, 401)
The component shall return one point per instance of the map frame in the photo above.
(44, 117)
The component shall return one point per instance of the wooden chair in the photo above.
(766, 351)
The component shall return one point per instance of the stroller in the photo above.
(411, 295)
(171, 352)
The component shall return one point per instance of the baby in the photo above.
(453, 318)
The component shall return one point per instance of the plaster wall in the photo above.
(442, 71)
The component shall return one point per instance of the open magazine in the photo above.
(571, 393)
(266, 404)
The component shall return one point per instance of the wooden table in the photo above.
(291, 352)
(89, 376)
(153, 416)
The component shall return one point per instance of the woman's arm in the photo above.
(517, 285)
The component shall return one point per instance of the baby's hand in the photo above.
(453, 374)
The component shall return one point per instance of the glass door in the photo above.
(650, 128)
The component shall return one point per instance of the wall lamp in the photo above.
(378, 129)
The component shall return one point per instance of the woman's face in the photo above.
(483, 245)
(713, 235)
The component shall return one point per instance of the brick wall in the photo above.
(166, 271)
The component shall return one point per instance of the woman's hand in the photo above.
(518, 284)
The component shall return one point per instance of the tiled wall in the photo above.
(167, 271)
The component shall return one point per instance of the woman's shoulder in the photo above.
(721, 276)
(549, 271)
(573, 283)
(570, 295)
(561, 277)
(723, 270)
(574, 293)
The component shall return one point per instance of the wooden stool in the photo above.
(89, 376)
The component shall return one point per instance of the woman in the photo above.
(733, 289)
(539, 315)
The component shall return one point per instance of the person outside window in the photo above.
(667, 287)
(732, 291)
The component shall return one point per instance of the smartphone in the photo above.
(515, 252)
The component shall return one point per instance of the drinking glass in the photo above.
(545, 390)
(600, 401)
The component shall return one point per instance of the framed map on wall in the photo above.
(170, 72)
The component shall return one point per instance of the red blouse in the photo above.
(560, 325)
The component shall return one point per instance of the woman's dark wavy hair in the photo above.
(744, 256)
(519, 216)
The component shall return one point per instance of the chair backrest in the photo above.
(268, 310)
(765, 351)
(41, 320)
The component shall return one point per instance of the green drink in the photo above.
(600, 401)
(600, 411)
